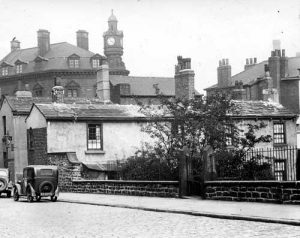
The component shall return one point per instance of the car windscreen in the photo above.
(46, 172)
(3, 173)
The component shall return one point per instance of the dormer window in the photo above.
(74, 61)
(4, 71)
(19, 68)
(96, 63)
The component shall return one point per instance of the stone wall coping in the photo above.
(251, 182)
(125, 181)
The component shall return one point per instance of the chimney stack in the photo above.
(58, 94)
(184, 79)
(250, 63)
(103, 84)
(14, 44)
(224, 73)
(43, 37)
(82, 37)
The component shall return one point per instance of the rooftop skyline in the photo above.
(156, 32)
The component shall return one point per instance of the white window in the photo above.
(278, 133)
(18, 68)
(74, 63)
(94, 140)
(96, 63)
(4, 71)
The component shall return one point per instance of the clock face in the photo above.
(111, 41)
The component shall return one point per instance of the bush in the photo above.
(147, 166)
(232, 165)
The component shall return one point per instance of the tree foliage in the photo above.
(192, 126)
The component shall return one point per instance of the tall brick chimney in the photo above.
(14, 44)
(284, 67)
(82, 37)
(103, 84)
(224, 73)
(184, 79)
(43, 37)
(274, 65)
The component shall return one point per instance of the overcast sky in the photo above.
(156, 31)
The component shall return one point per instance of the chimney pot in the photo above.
(255, 60)
(223, 62)
(251, 61)
(283, 53)
(227, 62)
(247, 61)
(220, 62)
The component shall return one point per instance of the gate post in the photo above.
(183, 174)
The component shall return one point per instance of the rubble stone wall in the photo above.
(70, 180)
(254, 191)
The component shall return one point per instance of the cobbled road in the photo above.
(48, 219)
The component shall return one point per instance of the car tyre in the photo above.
(29, 196)
(38, 198)
(16, 194)
(3, 184)
(53, 198)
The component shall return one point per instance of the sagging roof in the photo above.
(83, 112)
(266, 109)
(54, 59)
(22, 105)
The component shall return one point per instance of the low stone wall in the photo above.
(138, 188)
(71, 180)
(254, 191)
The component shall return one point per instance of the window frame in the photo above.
(19, 68)
(96, 63)
(276, 134)
(4, 71)
(100, 125)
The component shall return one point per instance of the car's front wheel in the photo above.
(16, 194)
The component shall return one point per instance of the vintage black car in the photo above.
(5, 183)
(38, 181)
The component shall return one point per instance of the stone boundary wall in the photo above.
(137, 188)
(70, 180)
(254, 191)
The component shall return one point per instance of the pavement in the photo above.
(195, 206)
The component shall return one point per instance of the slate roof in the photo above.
(91, 111)
(145, 86)
(266, 109)
(257, 71)
(22, 105)
(55, 58)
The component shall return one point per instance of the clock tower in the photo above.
(113, 47)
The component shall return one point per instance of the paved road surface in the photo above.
(48, 219)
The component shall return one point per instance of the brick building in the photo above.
(253, 82)
(39, 68)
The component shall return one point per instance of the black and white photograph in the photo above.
(148, 118)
